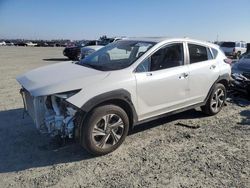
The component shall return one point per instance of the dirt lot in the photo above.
(184, 150)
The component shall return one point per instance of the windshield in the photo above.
(116, 55)
(228, 44)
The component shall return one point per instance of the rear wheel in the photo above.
(216, 100)
(104, 129)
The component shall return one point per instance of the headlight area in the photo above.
(59, 115)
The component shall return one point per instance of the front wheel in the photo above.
(216, 100)
(104, 130)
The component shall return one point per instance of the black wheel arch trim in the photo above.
(119, 94)
(125, 96)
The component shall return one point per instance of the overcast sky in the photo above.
(90, 19)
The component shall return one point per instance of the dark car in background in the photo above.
(21, 44)
(73, 52)
(241, 74)
(41, 44)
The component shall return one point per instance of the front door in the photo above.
(162, 82)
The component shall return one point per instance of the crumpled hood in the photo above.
(59, 77)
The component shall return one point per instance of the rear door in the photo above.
(203, 71)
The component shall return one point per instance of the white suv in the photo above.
(234, 49)
(98, 99)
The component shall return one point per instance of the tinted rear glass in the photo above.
(197, 53)
(228, 44)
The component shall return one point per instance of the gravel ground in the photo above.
(184, 150)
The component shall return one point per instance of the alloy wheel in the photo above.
(217, 100)
(108, 131)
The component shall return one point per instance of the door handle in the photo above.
(149, 74)
(213, 67)
(183, 75)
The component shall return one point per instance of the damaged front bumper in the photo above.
(51, 114)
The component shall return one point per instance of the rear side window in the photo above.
(198, 53)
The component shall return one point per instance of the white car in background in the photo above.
(3, 43)
(87, 50)
(234, 49)
(31, 44)
(98, 99)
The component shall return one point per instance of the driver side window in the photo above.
(167, 57)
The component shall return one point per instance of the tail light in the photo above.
(228, 61)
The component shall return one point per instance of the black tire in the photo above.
(95, 120)
(78, 56)
(209, 107)
(71, 58)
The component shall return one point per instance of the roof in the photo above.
(149, 39)
(160, 39)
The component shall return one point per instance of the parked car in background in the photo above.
(42, 44)
(31, 44)
(98, 99)
(74, 52)
(9, 43)
(3, 43)
(246, 53)
(234, 49)
(87, 50)
(20, 44)
(241, 74)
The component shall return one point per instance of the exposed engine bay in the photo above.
(51, 114)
